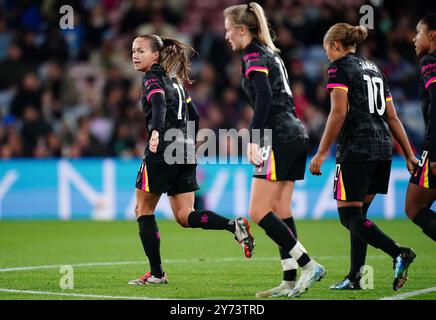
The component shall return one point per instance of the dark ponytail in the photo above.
(173, 55)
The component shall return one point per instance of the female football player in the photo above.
(362, 112)
(422, 187)
(168, 108)
(280, 157)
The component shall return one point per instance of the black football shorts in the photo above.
(354, 180)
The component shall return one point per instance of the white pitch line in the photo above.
(96, 296)
(53, 266)
(113, 263)
(79, 295)
(224, 259)
(409, 294)
(100, 264)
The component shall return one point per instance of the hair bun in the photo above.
(358, 34)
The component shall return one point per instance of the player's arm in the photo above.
(335, 121)
(193, 114)
(158, 105)
(262, 100)
(399, 134)
(262, 106)
(193, 111)
(256, 71)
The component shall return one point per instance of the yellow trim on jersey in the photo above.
(261, 70)
(147, 185)
(256, 68)
(426, 175)
(340, 87)
(343, 194)
(273, 167)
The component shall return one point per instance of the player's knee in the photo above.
(182, 222)
(347, 215)
(283, 212)
(356, 222)
(257, 214)
(411, 209)
(253, 213)
(140, 211)
(182, 217)
(344, 218)
(143, 210)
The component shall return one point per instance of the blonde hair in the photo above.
(346, 34)
(253, 17)
(173, 55)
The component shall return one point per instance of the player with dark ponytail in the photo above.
(167, 106)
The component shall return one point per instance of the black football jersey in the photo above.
(282, 119)
(428, 76)
(156, 80)
(365, 134)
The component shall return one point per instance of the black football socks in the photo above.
(150, 239)
(426, 219)
(277, 230)
(210, 220)
(289, 264)
(366, 230)
(357, 250)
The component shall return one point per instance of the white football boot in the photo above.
(310, 274)
(281, 290)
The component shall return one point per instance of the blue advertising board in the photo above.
(103, 189)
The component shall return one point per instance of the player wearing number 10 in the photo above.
(362, 112)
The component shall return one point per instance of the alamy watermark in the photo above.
(367, 12)
(367, 20)
(66, 22)
(182, 147)
(67, 280)
(367, 277)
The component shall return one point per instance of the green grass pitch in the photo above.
(201, 264)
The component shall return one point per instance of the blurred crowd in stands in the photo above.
(74, 93)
